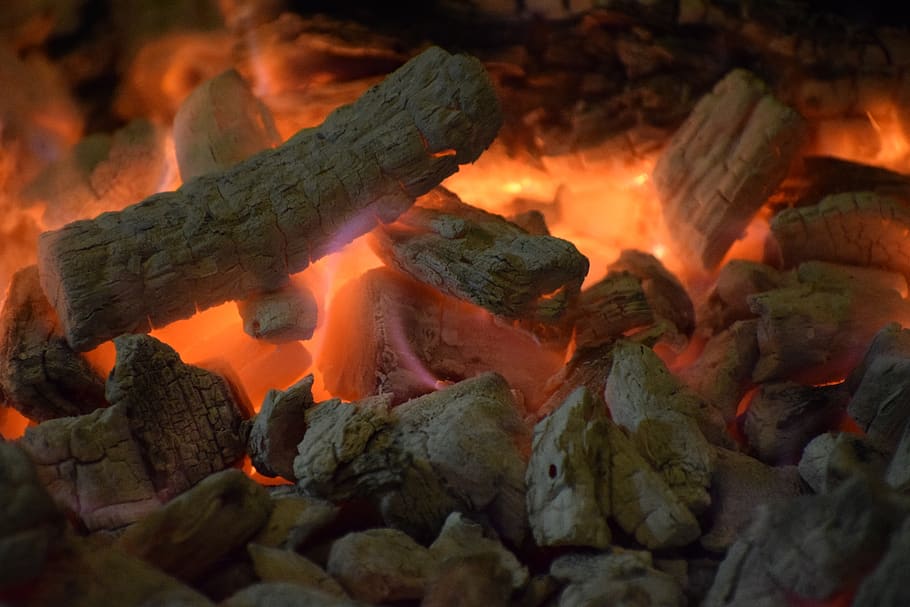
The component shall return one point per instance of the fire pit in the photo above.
(465, 303)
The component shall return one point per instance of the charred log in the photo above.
(832, 458)
(609, 308)
(229, 234)
(279, 427)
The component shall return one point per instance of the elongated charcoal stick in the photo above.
(229, 234)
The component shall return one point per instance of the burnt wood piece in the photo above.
(881, 387)
(832, 458)
(186, 419)
(380, 565)
(640, 393)
(568, 497)
(456, 449)
(810, 547)
(278, 565)
(727, 302)
(477, 580)
(821, 327)
(102, 173)
(725, 160)
(588, 367)
(88, 575)
(31, 527)
(288, 313)
(612, 578)
(898, 472)
(641, 502)
(609, 308)
(853, 228)
(169, 426)
(190, 534)
(232, 233)
(220, 124)
(722, 374)
(784, 416)
(484, 259)
(278, 428)
(285, 593)
(741, 484)
(293, 520)
(40, 375)
(390, 334)
(817, 177)
(461, 539)
(885, 586)
(665, 294)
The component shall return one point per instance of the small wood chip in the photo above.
(285, 314)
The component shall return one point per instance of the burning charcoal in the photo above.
(293, 520)
(287, 595)
(613, 578)
(736, 281)
(161, 395)
(666, 295)
(568, 497)
(722, 374)
(93, 466)
(477, 580)
(279, 316)
(898, 473)
(198, 528)
(821, 327)
(278, 428)
(642, 503)
(230, 234)
(740, 484)
(857, 228)
(831, 458)
(30, 524)
(821, 176)
(723, 163)
(783, 417)
(588, 367)
(389, 334)
(881, 387)
(40, 374)
(277, 565)
(808, 548)
(886, 586)
(89, 576)
(482, 258)
(462, 538)
(654, 407)
(102, 173)
(220, 124)
(455, 449)
(380, 565)
(609, 308)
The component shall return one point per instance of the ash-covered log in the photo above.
(389, 334)
(201, 526)
(232, 233)
(729, 155)
(834, 457)
(168, 427)
(784, 416)
(853, 228)
(40, 375)
(881, 387)
(483, 258)
(456, 449)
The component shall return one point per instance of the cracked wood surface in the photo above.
(40, 375)
(729, 155)
(609, 308)
(483, 258)
(229, 234)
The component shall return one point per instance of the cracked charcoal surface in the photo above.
(228, 234)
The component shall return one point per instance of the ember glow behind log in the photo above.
(228, 234)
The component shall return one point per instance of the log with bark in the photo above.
(40, 375)
(853, 228)
(232, 233)
(168, 427)
(389, 334)
(482, 258)
(456, 449)
(723, 163)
